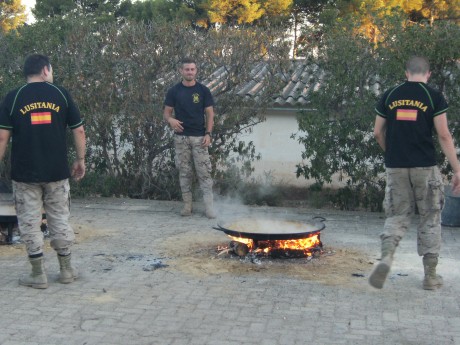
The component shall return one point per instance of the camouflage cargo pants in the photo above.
(189, 153)
(54, 198)
(405, 189)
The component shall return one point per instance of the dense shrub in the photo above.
(119, 74)
(351, 73)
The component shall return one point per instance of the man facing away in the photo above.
(406, 115)
(192, 124)
(36, 115)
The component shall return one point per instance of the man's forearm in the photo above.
(209, 119)
(167, 113)
(381, 141)
(4, 139)
(448, 148)
(209, 126)
(80, 142)
(380, 131)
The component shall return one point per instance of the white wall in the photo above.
(280, 153)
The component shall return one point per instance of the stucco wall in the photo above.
(280, 153)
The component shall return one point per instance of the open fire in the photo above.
(291, 248)
(273, 238)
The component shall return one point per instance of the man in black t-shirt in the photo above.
(406, 117)
(36, 116)
(192, 104)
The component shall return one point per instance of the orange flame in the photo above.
(305, 244)
(246, 241)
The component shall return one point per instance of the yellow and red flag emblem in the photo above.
(406, 114)
(40, 118)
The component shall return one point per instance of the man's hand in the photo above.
(206, 140)
(175, 125)
(78, 169)
(456, 183)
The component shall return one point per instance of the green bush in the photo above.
(118, 74)
(352, 72)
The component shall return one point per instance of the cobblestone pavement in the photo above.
(132, 289)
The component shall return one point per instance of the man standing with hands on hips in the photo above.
(37, 115)
(406, 117)
(192, 104)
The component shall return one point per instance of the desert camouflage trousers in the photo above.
(189, 153)
(54, 198)
(406, 189)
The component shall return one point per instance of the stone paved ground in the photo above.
(137, 287)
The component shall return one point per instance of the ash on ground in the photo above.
(196, 254)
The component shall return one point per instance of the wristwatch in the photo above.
(208, 133)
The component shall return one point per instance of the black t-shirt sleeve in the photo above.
(208, 99)
(169, 99)
(380, 107)
(74, 119)
(440, 105)
(5, 118)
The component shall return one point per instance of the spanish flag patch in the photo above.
(40, 118)
(406, 114)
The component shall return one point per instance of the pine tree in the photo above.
(12, 15)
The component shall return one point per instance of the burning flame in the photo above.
(246, 241)
(305, 244)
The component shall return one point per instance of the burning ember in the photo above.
(275, 248)
(302, 244)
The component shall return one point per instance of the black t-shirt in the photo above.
(409, 110)
(189, 103)
(38, 115)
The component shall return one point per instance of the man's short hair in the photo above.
(418, 65)
(34, 64)
(186, 60)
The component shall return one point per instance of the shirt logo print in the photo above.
(40, 118)
(196, 98)
(406, 114)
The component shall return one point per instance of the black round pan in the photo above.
(266, 229)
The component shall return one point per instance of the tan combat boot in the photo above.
(37, 279)
(209, 206)
(380, 272)
(432, 281)
(187, 209)
(68, 273)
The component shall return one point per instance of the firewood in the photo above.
(240, 249)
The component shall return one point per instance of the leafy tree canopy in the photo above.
(100, 10)
(190, 12)
(309, 8)
(12, 15)
(245, 11)
(417, 10)
(204, 13)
